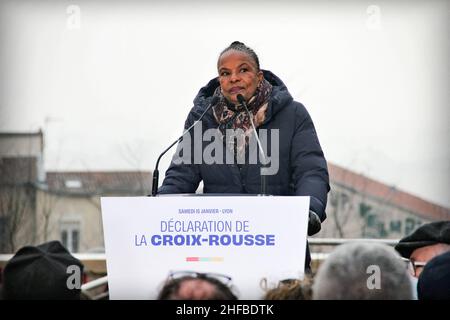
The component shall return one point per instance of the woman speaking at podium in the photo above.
(241, 98)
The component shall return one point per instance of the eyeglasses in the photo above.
(200, 275)
(413, 266)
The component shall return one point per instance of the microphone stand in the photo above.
(155, 179)
(263, 177)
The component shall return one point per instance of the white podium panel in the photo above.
(245, 237)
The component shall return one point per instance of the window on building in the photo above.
(411, 224)
(70, 235)
(75, 240)
(372, 221)
(382, 232)
(396, 226)
(73, 184)
(3, 233)
(364, 209)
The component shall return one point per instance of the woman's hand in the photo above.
(314, 224)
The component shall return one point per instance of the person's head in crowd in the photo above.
(362, 271)
(434, 281)
(41, 272)
(291, 289)
(425, 243)
(190, 285)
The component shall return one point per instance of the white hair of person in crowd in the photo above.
(363, 271)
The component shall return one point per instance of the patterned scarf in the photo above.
(230, 116)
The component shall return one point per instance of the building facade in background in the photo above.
(38, 206)
(68, 205)
(21, 169)
(360, 207)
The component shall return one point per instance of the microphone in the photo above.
(241, 100)
(155, 182)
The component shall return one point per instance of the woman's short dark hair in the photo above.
(221, 292)
(239, 46)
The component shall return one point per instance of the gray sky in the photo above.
(115, 80)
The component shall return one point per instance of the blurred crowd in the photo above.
(418, 267)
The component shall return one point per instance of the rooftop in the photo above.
(390, 194)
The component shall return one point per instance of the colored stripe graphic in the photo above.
(204, 259)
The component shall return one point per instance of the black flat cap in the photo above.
(40, 272)
(426, 235)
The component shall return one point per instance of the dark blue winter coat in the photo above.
(302, 166)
